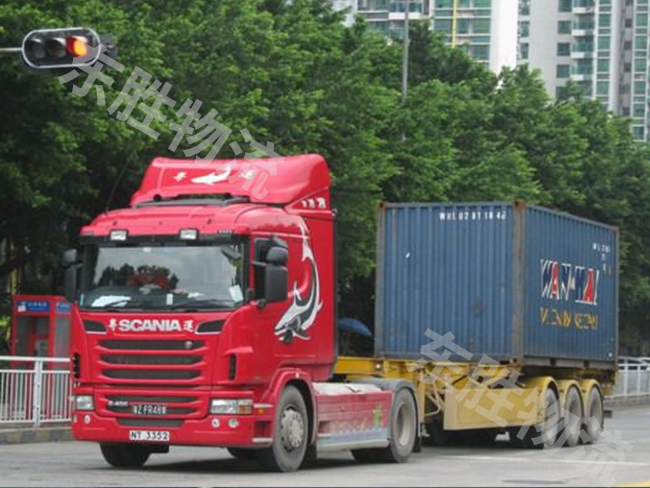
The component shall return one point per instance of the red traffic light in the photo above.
(58, 48)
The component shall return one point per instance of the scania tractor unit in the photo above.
(205, 314)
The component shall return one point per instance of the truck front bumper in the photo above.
(214, 430)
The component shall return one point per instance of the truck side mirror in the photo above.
(277, 256)
(70, 261)
(70, 257)
(276, 283)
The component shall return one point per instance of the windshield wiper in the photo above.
(202, 303)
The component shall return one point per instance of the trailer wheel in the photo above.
(125, 455)
(241, 453)
(402, 429)
(537, 439)
(290, 437)
(594, 416)
(573, 419)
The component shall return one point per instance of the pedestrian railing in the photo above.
(633, 380)
(34, 390)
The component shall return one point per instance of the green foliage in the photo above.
(292, 74)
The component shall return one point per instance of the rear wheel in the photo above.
(290, 437)
(594, 416)
(546, 433)
(573, 419)
(240, 453)
(402, 429)
(125, 455)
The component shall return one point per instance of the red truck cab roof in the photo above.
(175, 194)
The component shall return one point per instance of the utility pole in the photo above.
(405, 54)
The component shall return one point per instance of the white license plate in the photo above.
(149, 409)
(149, 435)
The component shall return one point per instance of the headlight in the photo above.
(84, 402)
(231, 407)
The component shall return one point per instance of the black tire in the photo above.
(128, 456)
(437, 435)
(311, 455)
(403, 429)
(549, 429)
(365, 456)
(573, 420)
(241, 453)
(291, 430)
(514, 440)
(594, 416)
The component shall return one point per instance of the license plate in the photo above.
(149, 435)
(149, 409)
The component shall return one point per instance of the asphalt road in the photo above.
(80, 464)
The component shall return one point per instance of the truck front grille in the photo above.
(163, 361)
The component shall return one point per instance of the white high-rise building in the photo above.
(485, 29)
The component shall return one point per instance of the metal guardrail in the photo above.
(633, 379)
(34, 390)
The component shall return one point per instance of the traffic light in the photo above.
(58, 48)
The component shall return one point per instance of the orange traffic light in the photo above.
(77, 46)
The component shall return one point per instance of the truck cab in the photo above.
(204, 314)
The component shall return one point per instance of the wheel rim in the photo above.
(404, 421)
(595, 419)
(550, 420)
(292, 429)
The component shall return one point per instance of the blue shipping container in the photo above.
(508, 281)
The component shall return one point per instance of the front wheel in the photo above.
(403, 425)
(287, 452)
(125, 455)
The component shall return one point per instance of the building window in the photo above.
(559, 92)
(481, 52)
(380, 26)
(442, 25)
(564, 27)
(603, 65)
(482, 26)
(602, 87)
(565, 5)
(563, 71)
(584, 67)
(640, 65)
(642, 20)
(524, 8)
(603, 42)
(523, 51)
(605, 20)
(641, 42)
(444, 3)
(637, 132)
(639, 87)
(462, 26)
(563, 49)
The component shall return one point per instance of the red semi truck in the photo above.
(205, 314)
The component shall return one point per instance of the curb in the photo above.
(45, 434)
(627, 400)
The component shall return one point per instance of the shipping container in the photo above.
(507, 280)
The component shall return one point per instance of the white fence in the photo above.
(633, 380)
(34, 390)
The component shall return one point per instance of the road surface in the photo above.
(80, 464)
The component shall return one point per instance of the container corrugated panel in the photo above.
(476, 271)
(571, 287)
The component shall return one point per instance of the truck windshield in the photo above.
(163, 277)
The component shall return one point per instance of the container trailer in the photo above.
(205, 314)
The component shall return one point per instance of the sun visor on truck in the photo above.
(270, 180)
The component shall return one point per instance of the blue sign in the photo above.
(33, 306)
(62, 307)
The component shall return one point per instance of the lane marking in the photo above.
(536, 460)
